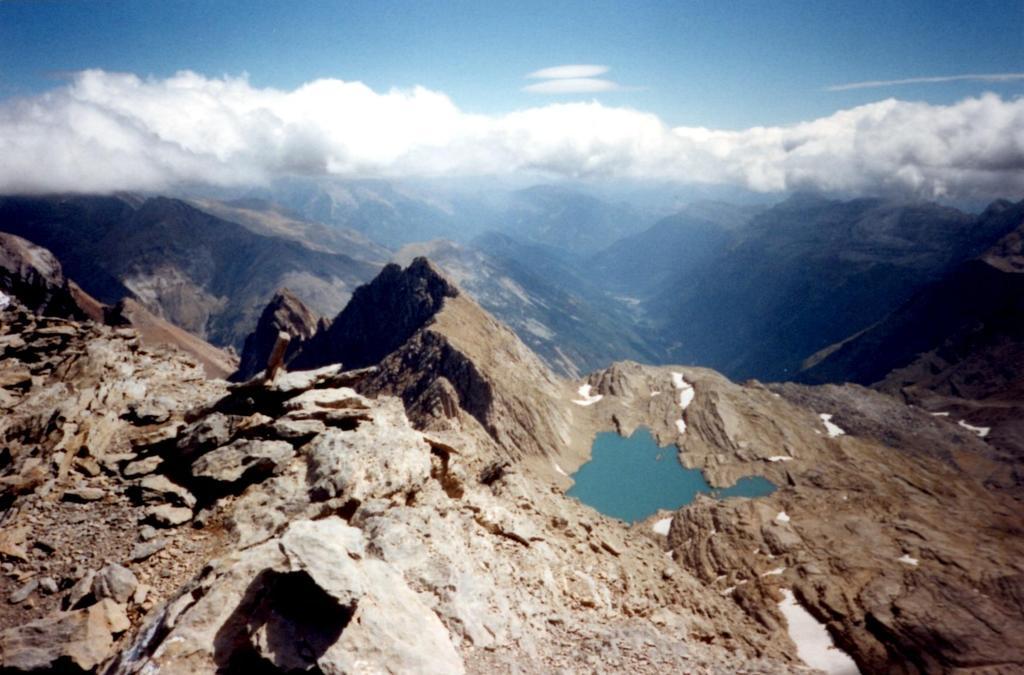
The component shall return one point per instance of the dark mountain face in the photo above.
(807, 273)
(644, 263)
(381, 316)
(956, 346)
(207, 275)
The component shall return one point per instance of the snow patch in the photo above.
(777, 572)
(814, 645)
(940, 414)
(907, 560)
(585, 397)
(559, 469)
(5, 301)
(686, 397)
(832, 429)
(661, 526)
(783, 517)
(655, 393)
(780, 458)
(686, 391)
(981, 431)
(681, 426)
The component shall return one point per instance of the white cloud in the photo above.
(572, 85)
(568, 71)
(108, 131)
(872, 84)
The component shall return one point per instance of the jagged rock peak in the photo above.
(284, 313)
(35, 277)
(381, 316)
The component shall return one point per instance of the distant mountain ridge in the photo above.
(207, 275)
(807, 273)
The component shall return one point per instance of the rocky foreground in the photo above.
(409, 516)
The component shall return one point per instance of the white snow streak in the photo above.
(813, 643)
(907, 560)
(981, 431)
(780, 458)
(832, 429)
(686, 394)
(777, 572)
(585, 397)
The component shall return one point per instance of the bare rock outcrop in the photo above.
(356, 542)
(453, 364)
(33, 275)
(895, 528)
(285, 313)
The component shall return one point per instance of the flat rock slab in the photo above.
(228, 464)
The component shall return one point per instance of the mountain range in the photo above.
(395, 496)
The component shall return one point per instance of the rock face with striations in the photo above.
(285, 313)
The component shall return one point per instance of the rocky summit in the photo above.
(392, 500)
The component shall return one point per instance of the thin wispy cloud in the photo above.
(572, 78)
(574, 70)
(572, 85)
(873, 84)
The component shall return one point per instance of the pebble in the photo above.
(144, 550)
(85, 494)
(21, 594)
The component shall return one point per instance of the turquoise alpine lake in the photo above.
(632, 478)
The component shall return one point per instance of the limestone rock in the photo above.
(378, 460)
(165, 515)
(244, 458)
(158, 489)
(84, 638)
(114, 581)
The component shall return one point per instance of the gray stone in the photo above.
(142, 467)
(232, 462)
(114, 581)
(165, 515)
(84, 494)
(158, 489)
(21, 593)
(144, 550)
(81, 589)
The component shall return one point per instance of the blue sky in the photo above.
(146, 95)
(725, 65)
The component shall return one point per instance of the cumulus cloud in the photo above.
(109, 131)
(570, 71)
(572, 85)
(872, 84)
